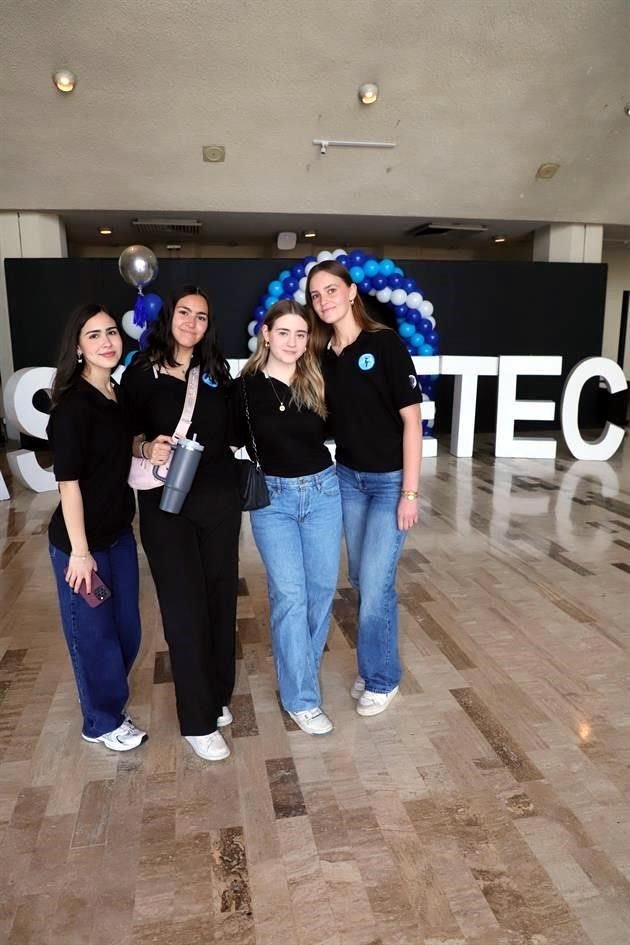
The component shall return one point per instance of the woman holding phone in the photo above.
(92, 548)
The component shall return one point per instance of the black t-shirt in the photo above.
(155, 405)
(366, 386)
(90, 437)
(290, 442)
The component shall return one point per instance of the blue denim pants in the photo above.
(103, 641)
(299, 540)
(374, 543)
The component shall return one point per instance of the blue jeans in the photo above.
(299, 539)
(374, 543)
(103, 641)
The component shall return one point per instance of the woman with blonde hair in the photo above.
(299, 534)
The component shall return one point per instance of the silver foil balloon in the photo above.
(138, 265)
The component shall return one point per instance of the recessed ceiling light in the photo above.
(499, 239)
(64, 80)
(309, 234)
(546, 171)
(105, 231)
(368, 93)
(626, 109)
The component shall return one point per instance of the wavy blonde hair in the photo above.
(307, 386)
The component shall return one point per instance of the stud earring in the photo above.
(266, 344)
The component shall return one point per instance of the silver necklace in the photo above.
(281, 408)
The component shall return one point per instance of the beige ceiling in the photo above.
(475, 93)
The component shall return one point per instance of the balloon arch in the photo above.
(380, 278)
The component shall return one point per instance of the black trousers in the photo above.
(195, 570)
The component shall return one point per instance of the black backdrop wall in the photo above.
(483, 308)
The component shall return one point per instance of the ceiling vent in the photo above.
(163, 226)
(440, 229)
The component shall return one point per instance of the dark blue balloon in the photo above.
(356, 257)
(152, 306)
(410, 349)
(432, 337)
(144, 338)
(409, 285)
(286, 295)
(290, 286)
(425, 326)
(413, 316)
(307, 260)
(394, 281)
(259, 313)
(401, 311)
(379, 282)
(298, 271)
(365, 286)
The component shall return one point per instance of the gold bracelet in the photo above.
(409, 494)
(82, 557)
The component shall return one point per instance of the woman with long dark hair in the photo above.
(372, 394)
(92, 548)
(299, 534)
(193, 555)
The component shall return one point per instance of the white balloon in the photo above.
(339, 252)
(324, 256)
(252, 344)
(399, 297)
(299, 297)
(425, 397)
(414, 300)
(302, 284)
(426, 308)
(308, 267)
(431, 319)
(384, 295)
(430, 424)
(251, 328)
(134, 331)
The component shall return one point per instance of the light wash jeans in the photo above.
(103, 642)
(374, 544)
(299, 540)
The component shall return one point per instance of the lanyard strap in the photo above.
(192, 387)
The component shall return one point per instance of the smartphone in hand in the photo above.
(99, 593)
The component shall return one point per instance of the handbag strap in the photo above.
(249, 423)
(184, 422)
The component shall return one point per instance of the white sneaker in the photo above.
(212, 747)
(226, 718)
(371, 703)
(123, 738)
(358, 687)
(313, 721)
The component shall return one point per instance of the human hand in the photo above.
(407, 514)
(80, 568)
(157, 451)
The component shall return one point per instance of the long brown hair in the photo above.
(69, 369)
(307, 386)
(322, 333)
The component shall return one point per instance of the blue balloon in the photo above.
(144, 338)
(290, 286)
(413, 316)
(434, 377)
(411, 351)
(409, 285)
(398, 271)
(365, 286)
(259, 313)
(417, 340)
(433, 338)
(406, 330)
(401, 311)
(262, 301)
(356, 257)
(343, 259)
(298, 271)
(270, 300)
(394, 281)
(286, 295)
(284, 275)
(356, 274)
(386, 267)
(257, 328)
(379, 282)
(275, 288)
(129, 357)
(370, 266)
(426, 350)
(425, 326)
(307, 260)
(152, 306)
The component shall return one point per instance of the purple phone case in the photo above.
(99, 593)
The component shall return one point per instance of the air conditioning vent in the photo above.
(439, 229)
(156, 226)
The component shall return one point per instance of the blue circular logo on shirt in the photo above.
(366, 362)
(210, 381)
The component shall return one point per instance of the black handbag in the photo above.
(253, 488)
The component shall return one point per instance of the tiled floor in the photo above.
(490, 805)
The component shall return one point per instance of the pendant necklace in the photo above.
(282, 407)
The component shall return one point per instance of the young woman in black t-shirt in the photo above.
(193, 555)
(372, 394)
(90, 531)
(299, 534)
